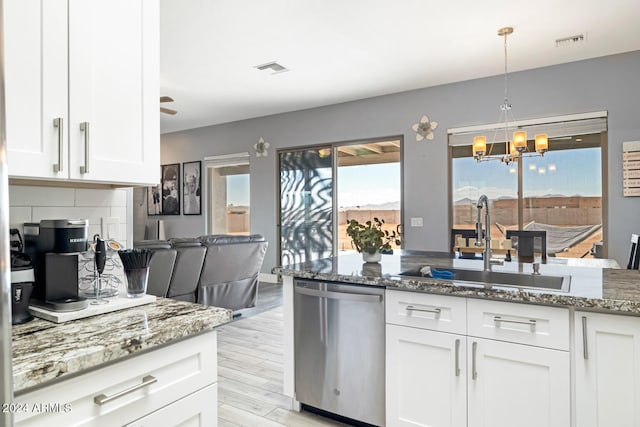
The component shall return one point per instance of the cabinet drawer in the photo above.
(198, 409)
(179, 369)
(519, 323)
(426, 311)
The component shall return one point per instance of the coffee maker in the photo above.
(54, 245)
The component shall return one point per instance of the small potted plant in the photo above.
(370, 239)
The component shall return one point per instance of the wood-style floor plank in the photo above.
(250, 354)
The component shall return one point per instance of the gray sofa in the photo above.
(219, 270)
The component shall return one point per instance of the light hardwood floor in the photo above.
(250, 375)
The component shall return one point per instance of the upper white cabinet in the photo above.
(82, 89)
(607, 370)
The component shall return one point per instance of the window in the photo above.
(561, 192)
(228, 205)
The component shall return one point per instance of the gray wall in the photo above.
(608, 83)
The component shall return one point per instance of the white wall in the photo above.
(608, 83)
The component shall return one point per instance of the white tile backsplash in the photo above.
(107, 198)
(32, 204)
(41, 196)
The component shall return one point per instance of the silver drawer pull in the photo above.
(457, 369)
(101, 399)
(529, 322)
(585, 346)
(474, 355)
(85, 127)
(58, 123)
(426, 310)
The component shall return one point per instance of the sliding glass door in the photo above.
(306, 204)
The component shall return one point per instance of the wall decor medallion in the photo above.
(261, 148)
(424, 128)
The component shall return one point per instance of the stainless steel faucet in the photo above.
(483, 200)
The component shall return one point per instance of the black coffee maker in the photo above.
(54, 245)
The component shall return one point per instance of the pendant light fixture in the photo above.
(515, 147)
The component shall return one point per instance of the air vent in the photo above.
(273, 66)
(571, 40)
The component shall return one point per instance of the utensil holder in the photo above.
(137, 279)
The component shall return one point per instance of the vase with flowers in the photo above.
(370, 239)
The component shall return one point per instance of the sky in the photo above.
(238, 190)
(567, 172)
(368, 184)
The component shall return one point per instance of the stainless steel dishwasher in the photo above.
(339, 349)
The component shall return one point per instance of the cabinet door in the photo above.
(36, 87)
(199, 409)
(114, 90)
(607, 370)
(426, 378)
(517, 385)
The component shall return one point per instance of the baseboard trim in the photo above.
(267, 277)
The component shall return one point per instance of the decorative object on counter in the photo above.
(171, 189)
(191, 188)
(517, 147)
(261, 148)
(136, 268)
(112, 272)
(370, 239)
(100, 259)
(424, 128)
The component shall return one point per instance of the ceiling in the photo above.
(344, 50)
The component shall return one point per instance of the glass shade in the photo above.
(479, 145)
(520, 140)
(542, 143)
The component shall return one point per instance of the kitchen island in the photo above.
(135, 365)
(457, 352)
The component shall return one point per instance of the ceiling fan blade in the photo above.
(166, 99)
(167, 111)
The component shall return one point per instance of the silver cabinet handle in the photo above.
(585, 347)
(101, 399)
(474, 351)
(339, 295)
(457, 358)
(425, 310)
(58, 123)
(530, 322)
(84, 127)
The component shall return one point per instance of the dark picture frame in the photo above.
(171, 189)
(191, 188)
(154, 200)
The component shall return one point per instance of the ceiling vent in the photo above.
(273, 66)
(571, 40)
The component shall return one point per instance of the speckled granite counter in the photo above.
(596, 284)
(44, 351)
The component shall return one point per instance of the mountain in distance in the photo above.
(387, 206)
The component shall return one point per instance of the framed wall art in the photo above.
(192, 183)
(171, 189)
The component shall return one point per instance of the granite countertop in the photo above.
(44, 351)
(596, 284)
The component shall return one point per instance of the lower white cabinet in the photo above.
(180, 375)
(426, 378)
(517, 385)
(475, 377)
(607, 370)
(199, 409)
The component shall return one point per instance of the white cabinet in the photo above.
(426, 378)
(82, 89)
(133, 389)
(607, 370)
(517, 385)
(508, 365)
(199, 409)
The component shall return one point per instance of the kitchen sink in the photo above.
(499, 278)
